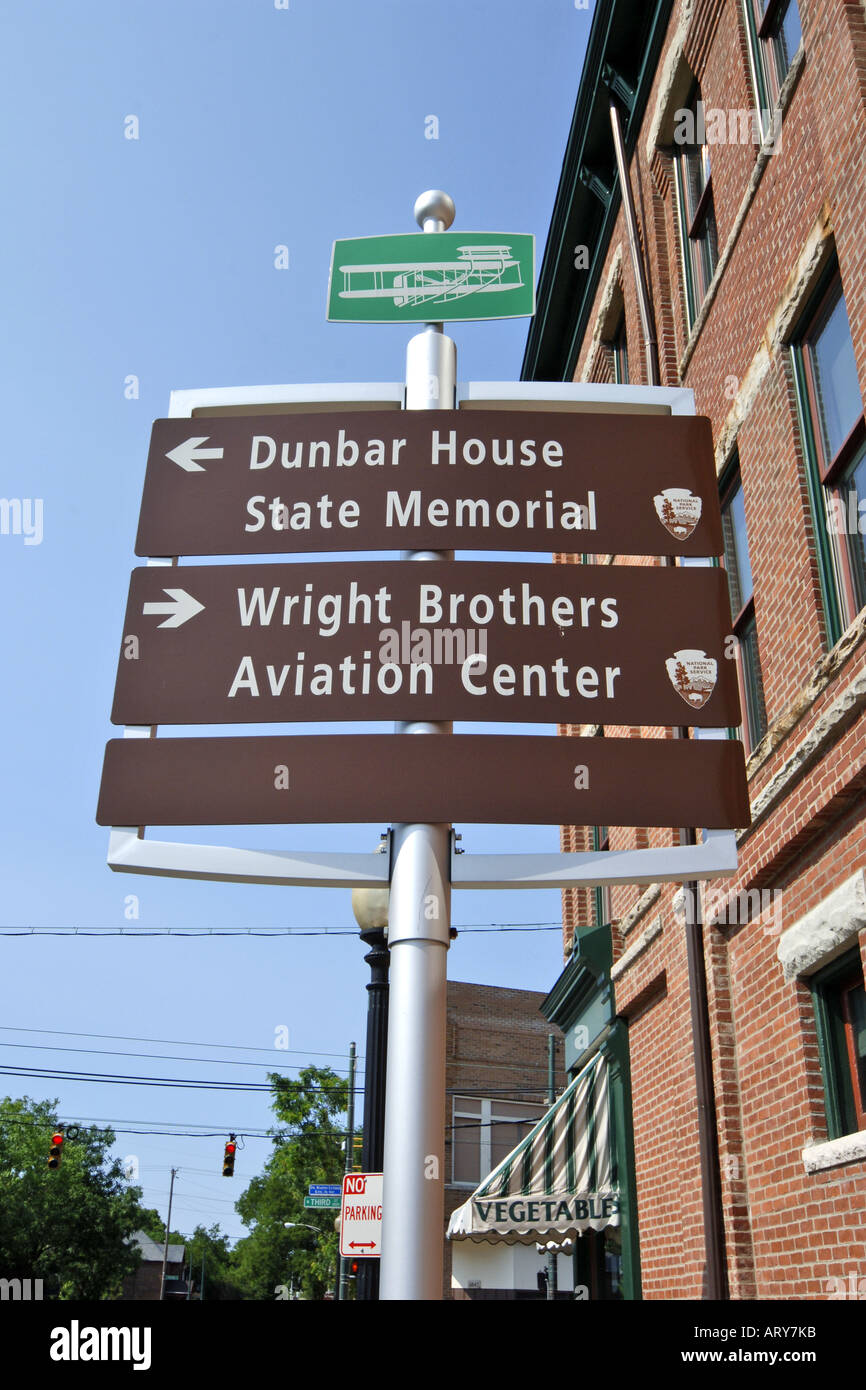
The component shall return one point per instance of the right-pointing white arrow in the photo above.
(182, 607)
(186, 454)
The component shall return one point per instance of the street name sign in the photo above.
(503, 779)
(616, 644)
(326, 1189)
(323, 1203)
(361, 1216)
(550, 481)
(432, 277)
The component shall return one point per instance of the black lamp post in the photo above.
(370, 906)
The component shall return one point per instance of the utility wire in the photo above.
(179, 1083)
(14, 930)
(150, 1056)
(169, 1042)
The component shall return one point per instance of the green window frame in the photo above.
(740, 587)
(620, 354)
(775, 33)
(834, 449)
(699, 242)
(839, 1002)
(601, 894)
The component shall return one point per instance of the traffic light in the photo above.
(229, 1157)
(56, 1151)
(353, 1269)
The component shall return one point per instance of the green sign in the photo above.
(430, 277)
(330, 1203)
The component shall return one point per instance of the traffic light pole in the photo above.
(419, 921)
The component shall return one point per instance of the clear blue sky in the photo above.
(154, 257)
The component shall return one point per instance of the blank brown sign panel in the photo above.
(424, 778)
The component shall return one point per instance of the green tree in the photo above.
(308, 1149)
(211, 1246)
(70, 1226)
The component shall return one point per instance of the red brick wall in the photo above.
(786, 1232)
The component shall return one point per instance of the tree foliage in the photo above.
(70, 1226)
(308, 1149)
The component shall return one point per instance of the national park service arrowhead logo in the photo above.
(692, 675)
(678, 510)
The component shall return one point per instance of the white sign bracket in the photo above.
(715, 855)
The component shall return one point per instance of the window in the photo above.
(834, 440)
(775, 35)
(599, 1263)
(601, 895)
(739, 568)
(620, 354)
(699, 239)
(839, 1000)
(485, 1132)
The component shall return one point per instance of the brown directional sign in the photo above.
(465, 777)
(449, 479)
(467, 640)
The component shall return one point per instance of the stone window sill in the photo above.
(851, 1148)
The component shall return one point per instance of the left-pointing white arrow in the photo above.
(186, 454)
(182, 607)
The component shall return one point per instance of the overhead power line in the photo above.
(9, 929)
(179, 1083)
(150, 1056)
(169, 1042)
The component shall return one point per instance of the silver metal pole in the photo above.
(419, 921)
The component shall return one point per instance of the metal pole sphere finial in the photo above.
(435, 206)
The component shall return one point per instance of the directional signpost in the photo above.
(424, 644)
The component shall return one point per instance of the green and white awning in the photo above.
(560, 1180)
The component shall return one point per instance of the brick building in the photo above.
(145, 1283)
(496, 1085)
(743, 128)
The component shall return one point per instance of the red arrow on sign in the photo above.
(362, 1244)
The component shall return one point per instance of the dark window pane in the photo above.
(620, 356)
(855, 1008)
(852, 493)
(694, 181)
(756, 715)
(835, 371)
(465, 1105)
(467, 1151)
(504, 1138)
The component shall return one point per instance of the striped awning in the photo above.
(560, 1180)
